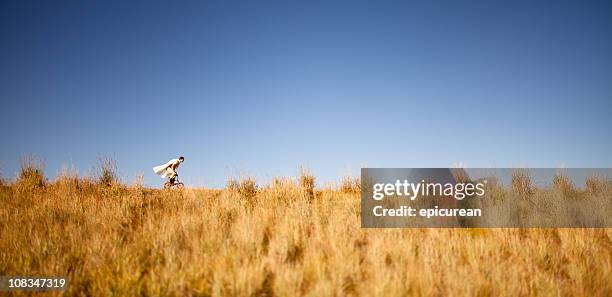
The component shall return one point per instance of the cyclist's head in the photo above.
(181, 158)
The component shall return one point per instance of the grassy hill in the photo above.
(283, 239)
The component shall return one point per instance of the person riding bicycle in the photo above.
(168, 170)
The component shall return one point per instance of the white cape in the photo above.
(163, 170)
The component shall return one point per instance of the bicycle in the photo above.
(174, 183)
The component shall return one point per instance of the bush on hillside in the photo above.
(31, 175)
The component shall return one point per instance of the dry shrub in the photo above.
(247, 187)
(561, 182)
(32, 175)
(350, 185)
(522, 184)
(597, 184)
(307, 184)
(107, 171)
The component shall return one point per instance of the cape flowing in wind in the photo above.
(165, 171)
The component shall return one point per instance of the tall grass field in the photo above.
(285, 238)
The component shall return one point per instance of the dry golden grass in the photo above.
(277, 240)
(350, 184)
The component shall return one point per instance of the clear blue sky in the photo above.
(263, 87)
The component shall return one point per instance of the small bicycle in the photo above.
(174, 183)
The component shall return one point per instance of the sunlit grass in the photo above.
(283, 239)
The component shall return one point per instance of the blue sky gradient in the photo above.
(261, 88)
